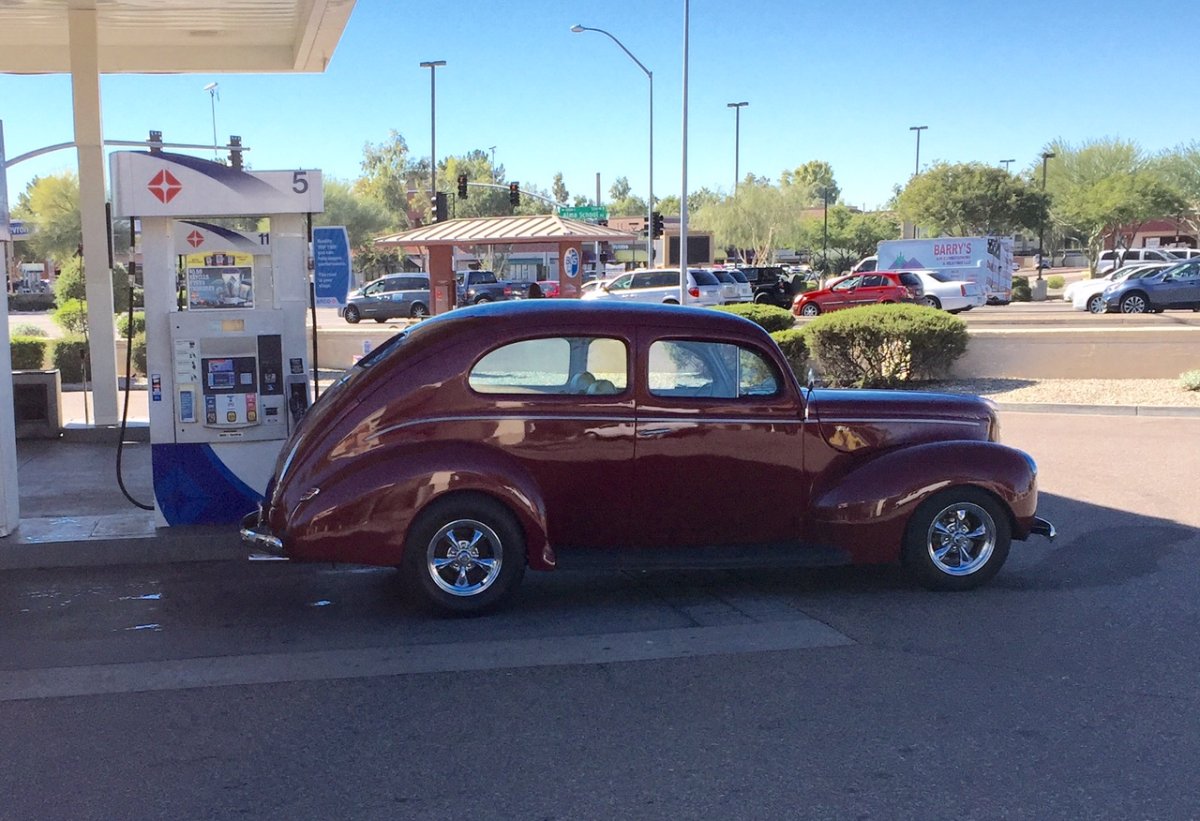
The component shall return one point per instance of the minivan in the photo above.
(661, 286)
(1108, 259)
(392, 296)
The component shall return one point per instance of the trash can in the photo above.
(37, 404)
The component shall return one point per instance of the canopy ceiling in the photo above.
(504, 231)
(151, 36)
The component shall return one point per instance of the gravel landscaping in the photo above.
(1142, 392)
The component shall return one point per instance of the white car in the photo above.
(951, 295)
(735, 287)
(1087, 294)
(661, 286)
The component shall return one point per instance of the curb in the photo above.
(165, 546)
(1100, 410)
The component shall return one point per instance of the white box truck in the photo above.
(987, 261)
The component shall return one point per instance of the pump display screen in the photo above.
(220, 374)
(237, 374)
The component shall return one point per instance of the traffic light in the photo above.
(657, 226)
(235, 152)
(462, 186)
(439, 207)
(514, 194)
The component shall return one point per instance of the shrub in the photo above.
(1190, 380)
(30, 302)
(70, 357)
(25, 330)
(795, 350)
(139, 352)
(881, 345)
(71, 316)
(71, 284)
(1020, 290)
(769, 317)
(28, 353)
(139, 324)
(1055, 282)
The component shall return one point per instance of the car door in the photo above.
(842, 295)
(872, 289)
(373, 297)
(619, 288)
(718, 453)
(1182, 289)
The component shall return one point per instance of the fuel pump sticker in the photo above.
(156, 387)
(210, 410)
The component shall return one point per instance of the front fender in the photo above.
(362, 514)
(866, 510)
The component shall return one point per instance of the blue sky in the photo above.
(840, 82)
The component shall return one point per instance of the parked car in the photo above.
(732, 291)
(951, 295)
(865, 265)
(503, 436)
(1072, 259)
(478, 287)
(1176, 286)
(390, 297)
(767, 283)
(745, 291)
(660, 285)
(1088, 294)
(1183, 253)
(535, 289)
(860, 289)
(1128, 256)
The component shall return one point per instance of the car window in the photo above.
(874, 281)
(620, 283)
(939, 277)
(847, 283)
(704, 278)
(909, 279)
(722, 276)
(738, 276)
(553, 365)
(642, 281)
(374, 288)
(717, 370)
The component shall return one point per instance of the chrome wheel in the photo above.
(1134, 304)
(932, 302)
(1096, 305)
(810, 309)
(464, 557)
(419, 311)
(961, 539)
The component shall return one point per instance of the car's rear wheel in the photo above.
(419, 311)
(810, 309)
(670, 302)
(1095, 304)
(381, 319)
(351, 315)
(933, 302)
(957, 539)
(483, 300)
(465, 553)
(1134, 304)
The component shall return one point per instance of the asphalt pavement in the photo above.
(1065, 688)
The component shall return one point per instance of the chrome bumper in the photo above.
(1041, 527)
(256, 534)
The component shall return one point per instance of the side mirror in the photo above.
(812, 379)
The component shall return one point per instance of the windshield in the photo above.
(738, 276)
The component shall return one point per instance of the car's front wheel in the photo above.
(465, 553)
(1134, 304)
(957, 539)
(1095, 304)
(483, 300)
(810, 309)
(351, 315)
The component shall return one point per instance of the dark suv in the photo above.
(768, 285)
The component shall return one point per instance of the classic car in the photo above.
(559, 433)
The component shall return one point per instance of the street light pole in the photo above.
(1006, 164)
(1046, 155)
(432, 65)
(918, 129)
(493, 150)
(211, 88)
(683, 203)
(737, 138)
(577, 28)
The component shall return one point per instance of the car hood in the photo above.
(853, 420)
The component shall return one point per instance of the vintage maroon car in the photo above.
(556, 433)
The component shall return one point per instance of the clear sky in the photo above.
(834, 81)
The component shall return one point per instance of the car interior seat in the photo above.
(601, 387)
(580, 382)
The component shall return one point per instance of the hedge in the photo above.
(69, 357)
(1055, 282)
(25, 329)
(885, 345)
(30, 302)
(71, 316)
(139, 352)
(1020, 290)
(770, 317)
(795, 350)
(28, 353)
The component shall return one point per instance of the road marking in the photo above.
(328, 665)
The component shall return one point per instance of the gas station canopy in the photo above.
(153, 36)
(504, 231)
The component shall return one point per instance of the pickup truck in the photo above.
(475, 287)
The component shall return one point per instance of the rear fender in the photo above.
(866, 510)
(362, 515)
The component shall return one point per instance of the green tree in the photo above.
(1180, 168)
(395, 180)
(817, 177)
(668, 205)
(481, 201)
(561, 195)
(969, 199)
(51, 205)
(754, 220)
(364, 219)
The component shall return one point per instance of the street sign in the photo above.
(19, 229)
(587, 213)
(331, 278)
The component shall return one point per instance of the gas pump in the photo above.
(225, 325)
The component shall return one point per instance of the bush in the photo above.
(769, 317)
(28, 353)
(139, 324)
(1020, 290)
(884, 345)
(71, 316)
(30, 302)
(795, 350)
(70, 357)
(139, 352)
(25, 330)
(1190, 380)
(1055, 282)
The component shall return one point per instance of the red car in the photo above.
(557, 433)
(860, 289)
